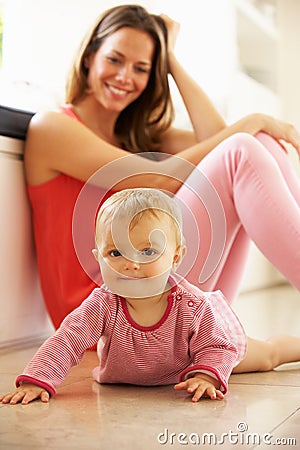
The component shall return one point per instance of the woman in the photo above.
(118, 104)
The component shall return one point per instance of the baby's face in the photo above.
(137, 263)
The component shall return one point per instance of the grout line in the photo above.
(278, 284)
(276, 428)
(26, 343)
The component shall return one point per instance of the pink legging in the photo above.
(259, 193)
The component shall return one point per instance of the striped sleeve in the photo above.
(80, 330)
(211, 348)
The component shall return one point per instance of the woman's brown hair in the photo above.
(141, 124)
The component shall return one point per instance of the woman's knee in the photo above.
(243, 148)
(242, 138)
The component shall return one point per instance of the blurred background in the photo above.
(244, 53)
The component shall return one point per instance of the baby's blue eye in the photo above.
(149, 252)
(114, 253)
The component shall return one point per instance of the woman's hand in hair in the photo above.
(173, 31)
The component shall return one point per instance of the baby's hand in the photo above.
(201, 385)
(25, 394)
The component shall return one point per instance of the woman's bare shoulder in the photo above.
(57, 143)
(42, 120)
(41, 133)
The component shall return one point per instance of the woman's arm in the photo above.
(179, 142)
(58, 144)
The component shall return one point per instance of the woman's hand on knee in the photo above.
(283, 132)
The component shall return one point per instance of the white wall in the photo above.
(41, 37)
(39, 40)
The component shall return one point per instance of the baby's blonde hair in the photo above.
(138, 202)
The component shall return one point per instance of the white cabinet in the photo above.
(255, 82)
(255, 88)
(258, 43)
(23, 317)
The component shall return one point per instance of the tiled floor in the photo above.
(258, 409)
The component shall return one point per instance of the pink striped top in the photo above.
(198, 332)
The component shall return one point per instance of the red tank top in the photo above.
(65, 281)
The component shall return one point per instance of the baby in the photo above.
(151, 326)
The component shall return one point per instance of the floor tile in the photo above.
(286, 435)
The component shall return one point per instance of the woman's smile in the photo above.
(117, 91)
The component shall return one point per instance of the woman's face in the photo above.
(119, 71)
